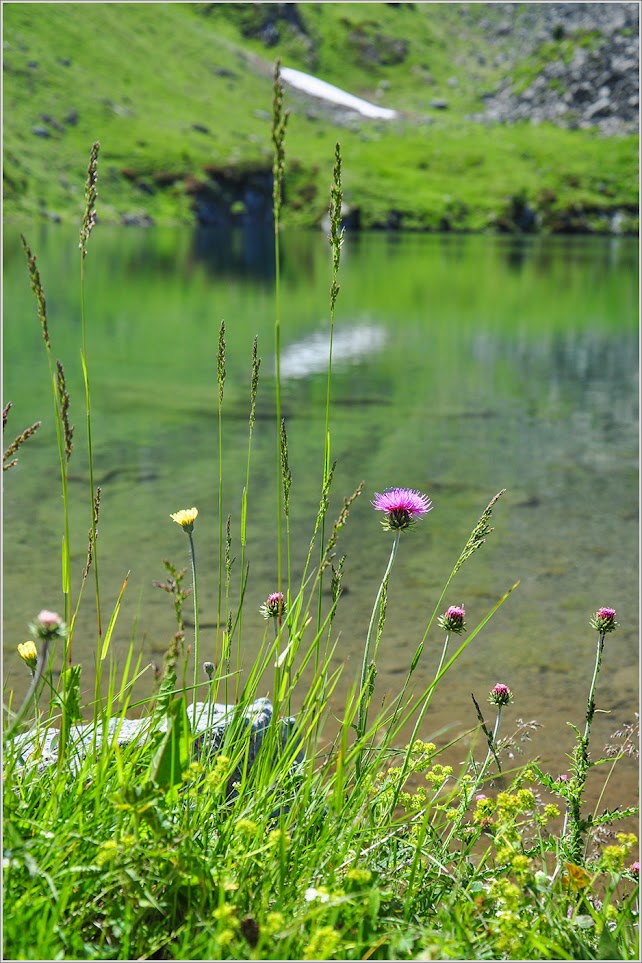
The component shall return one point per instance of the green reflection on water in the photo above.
(464, 365)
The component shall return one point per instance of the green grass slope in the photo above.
(175, 92)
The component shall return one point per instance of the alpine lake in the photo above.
(462, 365)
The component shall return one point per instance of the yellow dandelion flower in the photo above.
(28, 653)
(186, 518)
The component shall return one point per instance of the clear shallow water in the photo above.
(463, 365)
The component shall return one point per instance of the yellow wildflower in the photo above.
(186, 518)
(28, 653)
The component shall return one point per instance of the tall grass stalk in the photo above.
(336, 241)
(63, 450)
(220, 378)
(244, 569)
(88, 223)
(286, 480)
(227, 633)
(279, 124)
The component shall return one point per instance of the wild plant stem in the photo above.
(581, 766)
(220, 377)
(443, 655)
(220, 533)
(426, 697)
(196, 646)
(590, 705)
(364, 697)
(33, 693)
(493, 745)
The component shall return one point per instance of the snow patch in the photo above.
(328, 92)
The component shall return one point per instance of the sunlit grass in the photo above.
(430, 166)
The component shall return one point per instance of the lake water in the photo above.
(463, 365)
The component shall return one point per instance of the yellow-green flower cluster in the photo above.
(613, 856)
(193, 773)
(420, 756)
(323, 944)
(438, 775)
(274, 922)
(245, 827)
(358, 876)
(509, 922)
(521, 866)
(484, 810)
(219, 775)
(277, 838)
(109, 851)
(225, 916)
(414, 802)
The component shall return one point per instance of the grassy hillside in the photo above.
(174, 91)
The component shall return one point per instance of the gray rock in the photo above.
(600, 108)
(212, 721)
(137, 220)
(604, 70)
(41, 131)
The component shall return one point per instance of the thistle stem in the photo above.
(590, 705)
(443, 655)
(364, 699)
(581, 766)
(493, 745)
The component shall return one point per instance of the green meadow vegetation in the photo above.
(178, 93)
(322, 838)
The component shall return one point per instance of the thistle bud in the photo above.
(453, 619)
(500, 695)
(604, 620)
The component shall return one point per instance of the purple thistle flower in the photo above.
(402, 506)
(274, 606)
(500, 695)
(604, 620)
(453, 619)
(635, 868)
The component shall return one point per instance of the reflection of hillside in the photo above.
(245, 251)
(597, 375)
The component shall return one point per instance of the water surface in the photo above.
(463, 366)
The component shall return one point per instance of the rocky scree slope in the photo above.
(572, 64)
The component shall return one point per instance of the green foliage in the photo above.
(161, 136)
(145, 850)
